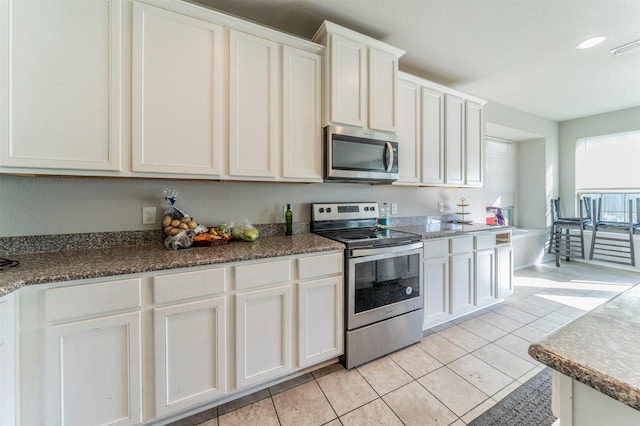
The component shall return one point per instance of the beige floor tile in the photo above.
(452, 390)
(542, 302)
(441, 349)
(529, 333)
(346, 390)
(536, 310)
(261, 412)
(515, 344)
(374, 413)
(463, 338)
(458, 423)
(506, 391)
(210, 422)
(305, 404)
(415, 406)
(529, 374)
(571, 311)
(327, 370)
(545, 325)
(503, 360)
(483, 329)
(480, 374)
(500, 321)
(384, 375)
(515, 314)
(415, 361)
(476, 412)
(334, 422)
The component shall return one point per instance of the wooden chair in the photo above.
(563, 240)
(613, 241)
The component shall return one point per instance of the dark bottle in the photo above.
(288, 218)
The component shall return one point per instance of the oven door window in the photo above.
(386, 281)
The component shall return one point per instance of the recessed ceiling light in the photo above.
(626, 48)
(590, 42)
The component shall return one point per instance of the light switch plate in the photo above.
(148, 215)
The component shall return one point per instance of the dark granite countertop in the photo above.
(600, 348)
(47, 267)
(446, 230)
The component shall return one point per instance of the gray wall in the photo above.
(596, 125)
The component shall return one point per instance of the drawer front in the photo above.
(436, 248)
(318, 266)
(486, 241)
(461, 245)
(188, 285)
(262, 274)
(91, 299)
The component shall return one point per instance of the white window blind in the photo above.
(501, 178)
(608, 162)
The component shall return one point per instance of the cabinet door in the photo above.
(436, 290)
(253, 103)
(176, 93)
(189, 348)
(454, 140)
(485, 276)
(432, 137)
(383, 85)
(301, 103)
(320, 320)
(462, 283)
(60, 84)
(474, 135)
(348, 81)
(7, 361)
(409, 132)
(263, 335)
(93, 372)
(504, 271)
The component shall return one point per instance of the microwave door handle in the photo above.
(389, 157)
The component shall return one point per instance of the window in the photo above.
(607, 168)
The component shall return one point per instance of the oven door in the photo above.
(383, 283)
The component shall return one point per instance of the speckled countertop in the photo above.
(446, 230)
(600, 348)
(46, 267)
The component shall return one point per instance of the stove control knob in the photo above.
(328, 209)
(366, 209)
(321, 210)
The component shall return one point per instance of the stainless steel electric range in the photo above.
(383, 280)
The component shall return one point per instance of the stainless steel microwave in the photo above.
(361, 156)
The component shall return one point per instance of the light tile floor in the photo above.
(458, 371)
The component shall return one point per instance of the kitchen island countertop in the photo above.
(48, 267)
(600, 348)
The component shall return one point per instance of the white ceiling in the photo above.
(519, 53)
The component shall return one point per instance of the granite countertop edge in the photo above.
(446, 230)
(70, 265)
(610, 386)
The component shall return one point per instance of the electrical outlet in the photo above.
(394, 208)
(148, 215)
(440, 207)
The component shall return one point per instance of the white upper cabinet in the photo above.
(61, 85)
(176, 93)
(475, 144)
(253, 103)
(454, 140)
(301, 103)
(409, 139)
(361, 76)
(432, 137)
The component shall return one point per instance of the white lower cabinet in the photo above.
(504, 270)
(92, 371)
(7, 361)
(320, 326)
(485, 276)
(436, 285)
(263, 335)
(462, 284)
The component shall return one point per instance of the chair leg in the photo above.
(551, 235)
(567, 244)
(581, 241)
(593, 241)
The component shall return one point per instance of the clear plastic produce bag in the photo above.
(246, 232)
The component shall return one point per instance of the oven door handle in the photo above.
(385, 250)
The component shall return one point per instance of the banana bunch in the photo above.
(217, 234)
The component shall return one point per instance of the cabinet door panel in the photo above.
(485, 277)
(454, 140)
(7, 361)
(263, 335)
(301, 102)
(189, 354)
(92, 372)
(436, 288)
(504, 271)
(409, 132)
(432, 137)
(462, 280)
(348, 73)
(60, 92)
(320, 334)
(176, 93)
(474, 133)
(253, 102)
(383, 78)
